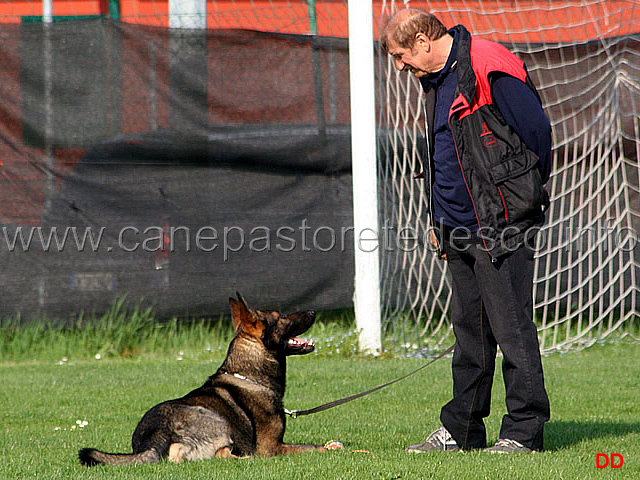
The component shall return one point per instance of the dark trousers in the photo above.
(492, 305)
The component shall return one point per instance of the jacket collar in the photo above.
(466, 76)
(435, 79)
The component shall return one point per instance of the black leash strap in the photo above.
(327, 406)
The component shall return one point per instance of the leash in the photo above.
(335, 403)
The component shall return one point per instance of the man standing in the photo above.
(488, 156)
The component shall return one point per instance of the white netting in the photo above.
(584, 57)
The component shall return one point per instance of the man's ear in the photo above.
(422, 41)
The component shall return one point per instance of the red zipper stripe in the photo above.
(455, 107)
(504, 204)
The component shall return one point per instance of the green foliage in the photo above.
(120, 332)
(136, 333)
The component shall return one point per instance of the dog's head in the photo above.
(276, 331)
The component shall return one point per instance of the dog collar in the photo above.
(241, 377)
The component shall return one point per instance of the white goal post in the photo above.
(364, 173)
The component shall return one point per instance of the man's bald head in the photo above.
(401, 29)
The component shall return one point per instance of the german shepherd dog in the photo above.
(238, 412)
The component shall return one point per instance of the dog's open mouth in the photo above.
(300, 346)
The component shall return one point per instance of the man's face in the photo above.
(416, 60)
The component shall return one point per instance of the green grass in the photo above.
(137, 333)
(595, 400)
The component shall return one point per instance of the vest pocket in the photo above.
(513, 166)
(519, 187)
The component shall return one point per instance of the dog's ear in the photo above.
(243, 301)
(236, 312)
(241, 313)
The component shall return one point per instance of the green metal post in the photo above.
(114, 9)
(313, 20)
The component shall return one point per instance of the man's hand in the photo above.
(433, 239)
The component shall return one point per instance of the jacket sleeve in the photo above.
(521, 109)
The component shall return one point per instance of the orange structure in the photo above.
(520, 21)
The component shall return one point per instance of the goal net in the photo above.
(584, 57)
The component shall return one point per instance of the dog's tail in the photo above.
(91, 457)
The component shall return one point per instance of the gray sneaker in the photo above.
(441, 439)
(505, 445)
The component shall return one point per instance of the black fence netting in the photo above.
(172, 167)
